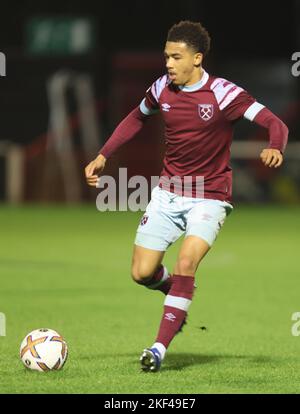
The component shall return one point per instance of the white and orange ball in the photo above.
(44, 350)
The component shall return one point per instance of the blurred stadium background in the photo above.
(74, 69)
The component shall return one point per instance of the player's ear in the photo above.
(198, 57)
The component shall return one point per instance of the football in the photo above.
(43, 350)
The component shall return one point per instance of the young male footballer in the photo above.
(199, 111)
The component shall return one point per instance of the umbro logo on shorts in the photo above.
(206, 216)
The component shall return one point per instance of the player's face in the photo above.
(182, 63)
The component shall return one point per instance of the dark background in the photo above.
(252, 45)
(240, 31)
(256, 28)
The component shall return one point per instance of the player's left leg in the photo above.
(178, 300)
(204, 221)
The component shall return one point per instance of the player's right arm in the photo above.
(93, 169)
(124, 132)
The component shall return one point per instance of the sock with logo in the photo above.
(176, 306)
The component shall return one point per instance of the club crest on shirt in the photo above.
(206, 111)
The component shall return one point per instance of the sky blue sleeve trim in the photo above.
(145, 110)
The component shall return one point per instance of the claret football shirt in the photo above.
(199, 122)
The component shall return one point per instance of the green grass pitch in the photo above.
(69, 269)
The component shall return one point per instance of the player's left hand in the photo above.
(271, 157)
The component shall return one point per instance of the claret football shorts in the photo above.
(168, 216)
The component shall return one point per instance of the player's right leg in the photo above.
(155, 233)
(147, 270)
(157, 230)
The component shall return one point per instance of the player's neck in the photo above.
(197, 76)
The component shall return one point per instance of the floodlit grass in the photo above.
(69, 269)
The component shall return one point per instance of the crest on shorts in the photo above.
(144, 220)
(206, 111)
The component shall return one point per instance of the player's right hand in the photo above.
(93, 169)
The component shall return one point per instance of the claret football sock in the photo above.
(176, 306)
(161, 280)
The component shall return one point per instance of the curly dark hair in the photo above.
(191, 33)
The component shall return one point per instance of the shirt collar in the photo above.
(197, 85)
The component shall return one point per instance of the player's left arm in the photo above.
(278, 137)
(244, 105)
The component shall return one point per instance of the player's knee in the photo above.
(140, 275)
(185, 266)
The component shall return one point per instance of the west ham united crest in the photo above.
(144, 220)
(206, 111)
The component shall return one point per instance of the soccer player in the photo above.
(199, 112)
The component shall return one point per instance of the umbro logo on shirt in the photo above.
(166, 107)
